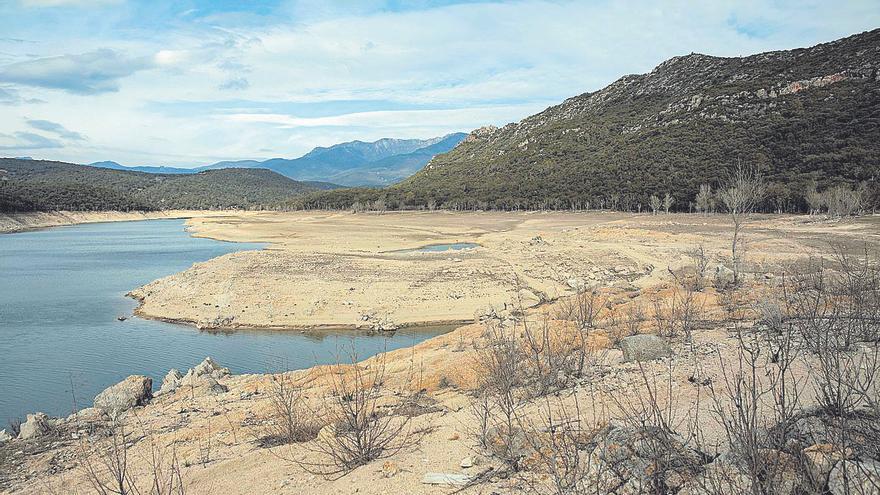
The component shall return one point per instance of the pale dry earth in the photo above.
(337, 269)
(626, 254)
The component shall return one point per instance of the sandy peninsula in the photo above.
(338, 269)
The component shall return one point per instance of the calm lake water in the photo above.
(61, 290)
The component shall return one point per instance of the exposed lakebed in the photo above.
(62, 289)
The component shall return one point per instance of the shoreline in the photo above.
(11, 223)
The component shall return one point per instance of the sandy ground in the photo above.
(216, 436)
(347, 270)
(16, 222)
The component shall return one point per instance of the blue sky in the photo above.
(192, 82)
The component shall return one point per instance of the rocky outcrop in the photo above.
(644, 348)
(203, 376)
(4, 437)
(136, 390)
(170, 382)
(36, 426)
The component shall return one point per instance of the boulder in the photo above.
(724, 277)
(861, 477)
(4, 437)
(170, 382)
(208, 367)
(36, 426)
(136, 390)
(644, 348)
(88, 415)
(204, 383)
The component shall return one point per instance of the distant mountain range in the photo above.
(37, 185)
(356, 163)
(805, 117)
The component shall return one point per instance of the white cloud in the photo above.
(463, 65)
(68, 3)
(93, 72)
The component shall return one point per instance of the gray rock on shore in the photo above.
(170, 383)
(136, 390)
(644, 348)
(36, 426)
(4, 437)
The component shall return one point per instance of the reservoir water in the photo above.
(62, 289)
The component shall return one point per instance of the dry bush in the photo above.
(561, 438)
(360, 429)
(291, 420)
(107, 464)
(501, 365)
(699, 263)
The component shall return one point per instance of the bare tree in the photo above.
(705, 202)
(655, 203)
(291, 420)
(668, 201)
(742, 193)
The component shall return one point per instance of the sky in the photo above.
(191, 82)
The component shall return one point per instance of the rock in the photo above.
(446, 479)
(723, 277)
(209, 367)
(36, 426)
(136, 390)
(820, 459)
(171, 382)
(88, 415)
(4, 437)
(644, 348)
(389, 469)
(625, 460)
(467, 462)
(860, 477)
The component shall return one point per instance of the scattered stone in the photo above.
(454, 436)
(4, 436)
(446, 479)
(862, 477)
(36, 426)
(136, 390)
(467, 462)
(389, 469)
(644, 348)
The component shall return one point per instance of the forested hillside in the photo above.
(33, 185)
(804, 118)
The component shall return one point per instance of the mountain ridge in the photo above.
(804, 117)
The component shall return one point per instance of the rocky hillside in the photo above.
(35, 185)
(800, 116)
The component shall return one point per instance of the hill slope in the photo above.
(35, 185)
(799, 116)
